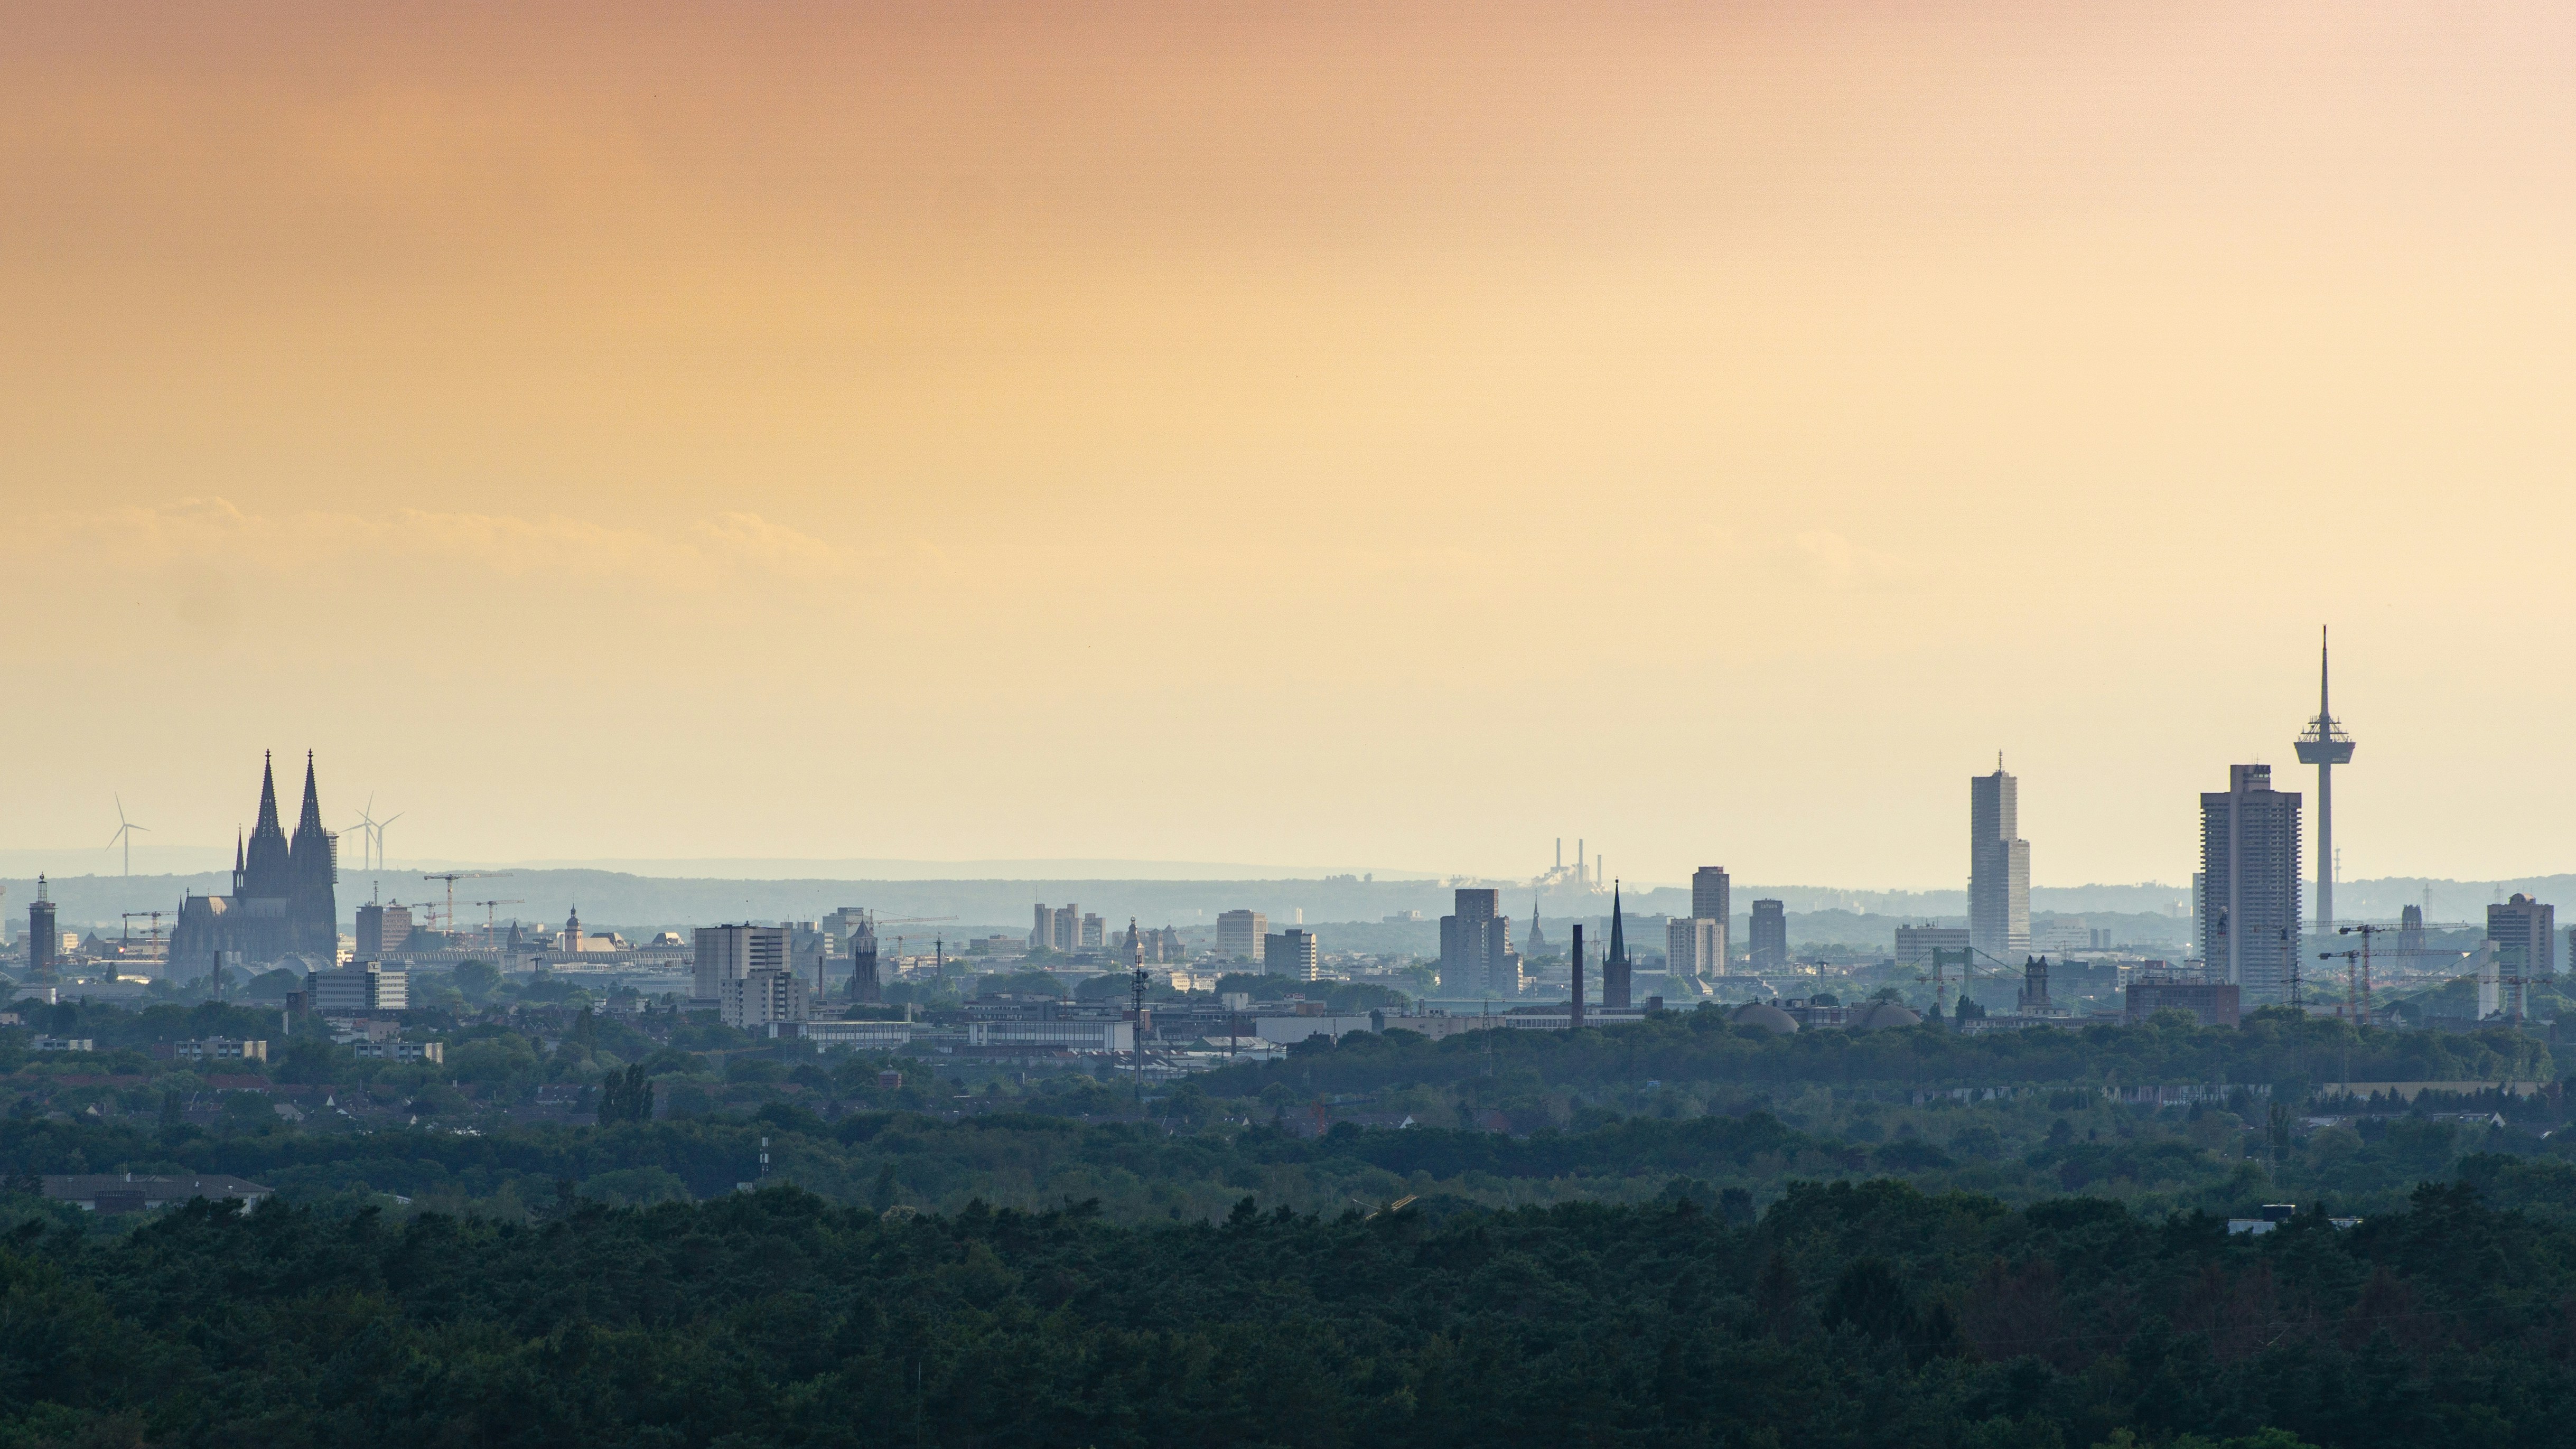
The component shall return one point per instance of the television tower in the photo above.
(2325, 746)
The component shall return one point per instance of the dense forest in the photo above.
(1680, 1231)
(1849, 1314)
(2274, 1045)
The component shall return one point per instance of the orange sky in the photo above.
(1371, 435)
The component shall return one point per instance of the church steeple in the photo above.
(267, 797)
(312, 908)
(311, 819)
(1615, 970)
(265, 869)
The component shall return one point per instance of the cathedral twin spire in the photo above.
(268, 864)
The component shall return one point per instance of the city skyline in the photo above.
(1723, 425)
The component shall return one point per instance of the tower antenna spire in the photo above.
(2325, 745)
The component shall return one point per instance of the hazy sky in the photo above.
(1387, 435)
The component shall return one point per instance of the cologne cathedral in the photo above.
(282, 900)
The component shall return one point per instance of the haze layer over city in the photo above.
(1165, 724)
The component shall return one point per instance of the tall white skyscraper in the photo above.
(1694, 947)
(1998, 866)
(2249, 859)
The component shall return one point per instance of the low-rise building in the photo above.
(212, 1049)
(110, 1192)
(859, 1035)
(401, 1051)
(357, 989)
(1076, 1034)
(2211, 1003)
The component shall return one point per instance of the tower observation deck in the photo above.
(2324, 745)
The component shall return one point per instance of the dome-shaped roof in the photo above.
(1766, 1016)
(1883, 1014)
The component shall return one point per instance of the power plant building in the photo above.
(2249, 853)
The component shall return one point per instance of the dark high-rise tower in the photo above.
(44, 938)
(1769, 936)
(1575, 1020)
(1614, 967)
(2324, 745)
(1710, 894)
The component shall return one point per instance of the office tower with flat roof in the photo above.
(1476, 946)
(1057, 929)
(1239, 933)
(2249, 852)
(1770, 936)
(1915, 945)
(1709, 894)
(1694, 947)
(726, 954)
(1293, 954)
(763, 998)
(1998, 865)
(2525, 933)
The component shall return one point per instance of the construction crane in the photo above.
(452, 877)
(155, 917)
(491, 923)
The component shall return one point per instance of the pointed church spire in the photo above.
(311, 819)
(1618, 932)
(237, 850)
(267, 797)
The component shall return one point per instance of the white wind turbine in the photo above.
(125, 835)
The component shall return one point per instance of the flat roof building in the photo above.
(729, 953)
(1239, 933)
(2249, 851)
(1770, 936)
(1998, 866)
